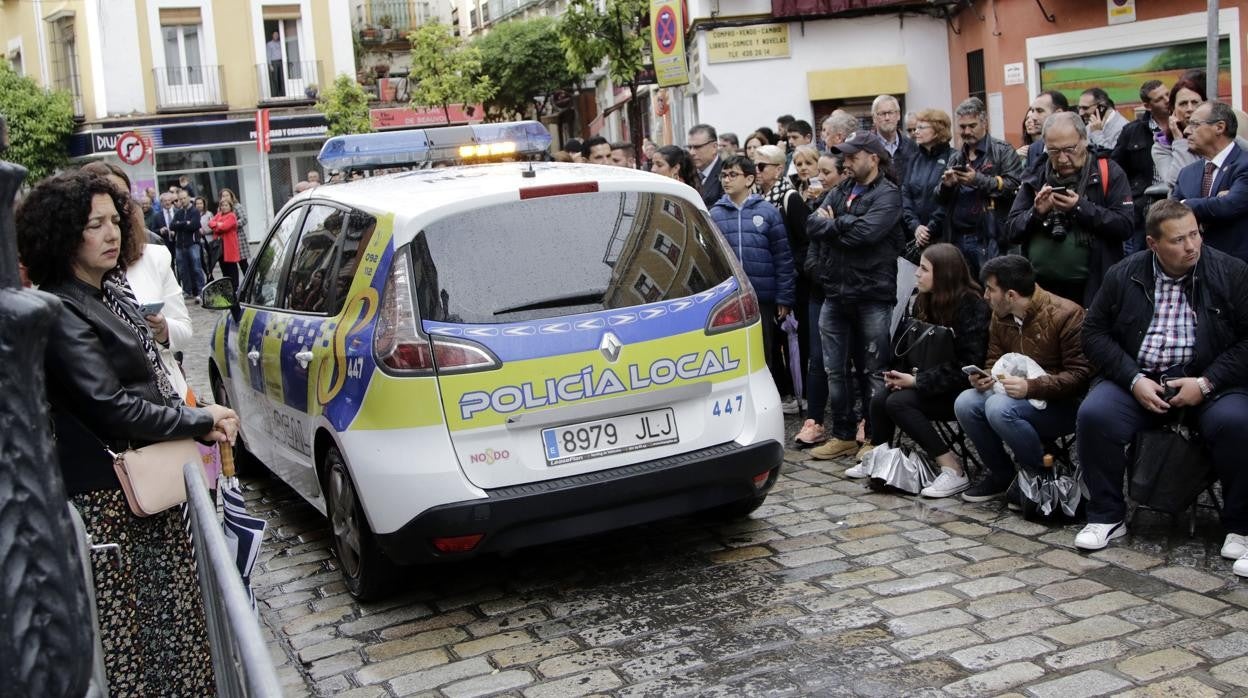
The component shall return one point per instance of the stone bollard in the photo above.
(46, 634)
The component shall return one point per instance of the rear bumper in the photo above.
(542, 512)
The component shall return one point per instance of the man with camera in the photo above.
(1216, 187)
(1072, 213)
(1168, 331)
(978, 187)
(1104, 122)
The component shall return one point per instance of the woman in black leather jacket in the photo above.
(108, 390)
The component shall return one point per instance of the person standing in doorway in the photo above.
(273, 51)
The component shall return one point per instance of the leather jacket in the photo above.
(101, 388)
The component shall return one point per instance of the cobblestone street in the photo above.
(829, 589)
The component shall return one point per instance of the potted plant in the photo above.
(368, 33)
(387, 27)
(381, 69)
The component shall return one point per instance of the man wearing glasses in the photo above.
(886, 116)
(1072, 213)
(1216, 187)
(703, 147)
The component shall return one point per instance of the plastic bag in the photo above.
(1015, 364)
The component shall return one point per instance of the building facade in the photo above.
(189, 76)
(1008, 52)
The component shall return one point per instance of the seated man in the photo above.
(1175, 309)
(1028, 320)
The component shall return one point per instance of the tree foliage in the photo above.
(526, 61)
(345, 105)
(617, 35)
(446, 71)
(40, 123)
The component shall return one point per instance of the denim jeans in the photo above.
(190, 270)
(1109, 419)
(860, 329)
(994, 421)
(816, 377)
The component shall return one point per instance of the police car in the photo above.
(459, 360)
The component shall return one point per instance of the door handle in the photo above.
(253, 356)
(303, 357)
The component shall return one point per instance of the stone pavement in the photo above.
(828, 589)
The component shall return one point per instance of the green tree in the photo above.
(618, 36)
(526, 61)
(446, 71)
(40, 123)
(345, 105)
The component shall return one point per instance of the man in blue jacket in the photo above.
(755, 231)
(1216, 187)
(855, 238)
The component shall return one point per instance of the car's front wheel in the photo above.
(367, 571)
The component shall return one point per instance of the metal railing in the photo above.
(288, 81)
(240, 658)
(189, 86)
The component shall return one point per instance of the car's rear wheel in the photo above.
(366, 570)
(244, 462)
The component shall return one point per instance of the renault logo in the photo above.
(610, 346)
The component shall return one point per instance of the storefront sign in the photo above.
(667, 42)
(1014, 74)
(1120, 11)
(730, 44)
(190, 134)
(402, 117)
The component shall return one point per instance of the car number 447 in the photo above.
(727, 405)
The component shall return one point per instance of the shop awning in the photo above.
(857, 82)
(834, 8)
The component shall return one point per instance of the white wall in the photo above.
(742, 96)
(119, 51)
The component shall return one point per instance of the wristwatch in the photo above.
(1206, 388)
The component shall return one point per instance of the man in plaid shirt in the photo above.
(1168, 330)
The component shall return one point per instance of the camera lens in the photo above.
(1057, 227)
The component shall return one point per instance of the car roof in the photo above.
(420, 195)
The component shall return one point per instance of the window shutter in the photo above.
(179, 16)
(272, 12)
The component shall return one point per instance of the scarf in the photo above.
(778, 191)
(119, 298)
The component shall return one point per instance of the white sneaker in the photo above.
(1241, 566)
(859, 471)
(789, 406)
(1235, 546)
(947, 484)
(1095, 536)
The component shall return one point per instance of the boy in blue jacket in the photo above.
(755, 231)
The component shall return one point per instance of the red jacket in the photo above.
(225, 225)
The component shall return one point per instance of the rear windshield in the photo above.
(563, 255)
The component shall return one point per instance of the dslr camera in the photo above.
(1058, 225)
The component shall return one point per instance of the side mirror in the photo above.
(219, 295)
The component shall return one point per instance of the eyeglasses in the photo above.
(921, 125)
(1203, 122)
(1068, 151)
(890, 112)
(731, 175)
(695, 146)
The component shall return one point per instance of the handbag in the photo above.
(922, 346)
(1169, 470)
(151, 477)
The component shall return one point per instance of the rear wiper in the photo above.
(557, 302)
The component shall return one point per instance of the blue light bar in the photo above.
(416, 146)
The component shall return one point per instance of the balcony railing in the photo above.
(186, 87)
(382, 21)
(289, 81)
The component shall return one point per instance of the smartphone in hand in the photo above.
(1059, 190)
(974, 370)
(152, 308)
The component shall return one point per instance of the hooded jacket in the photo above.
(755, 232)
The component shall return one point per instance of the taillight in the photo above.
(457, 544)
(400, 345)
(738, 310)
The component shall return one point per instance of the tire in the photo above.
(368, 573)
(244, 462)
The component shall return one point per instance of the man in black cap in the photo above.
(855, 237)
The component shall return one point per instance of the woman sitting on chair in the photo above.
(945, 295)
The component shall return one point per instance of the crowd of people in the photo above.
(1108, 252)
(201, 238)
